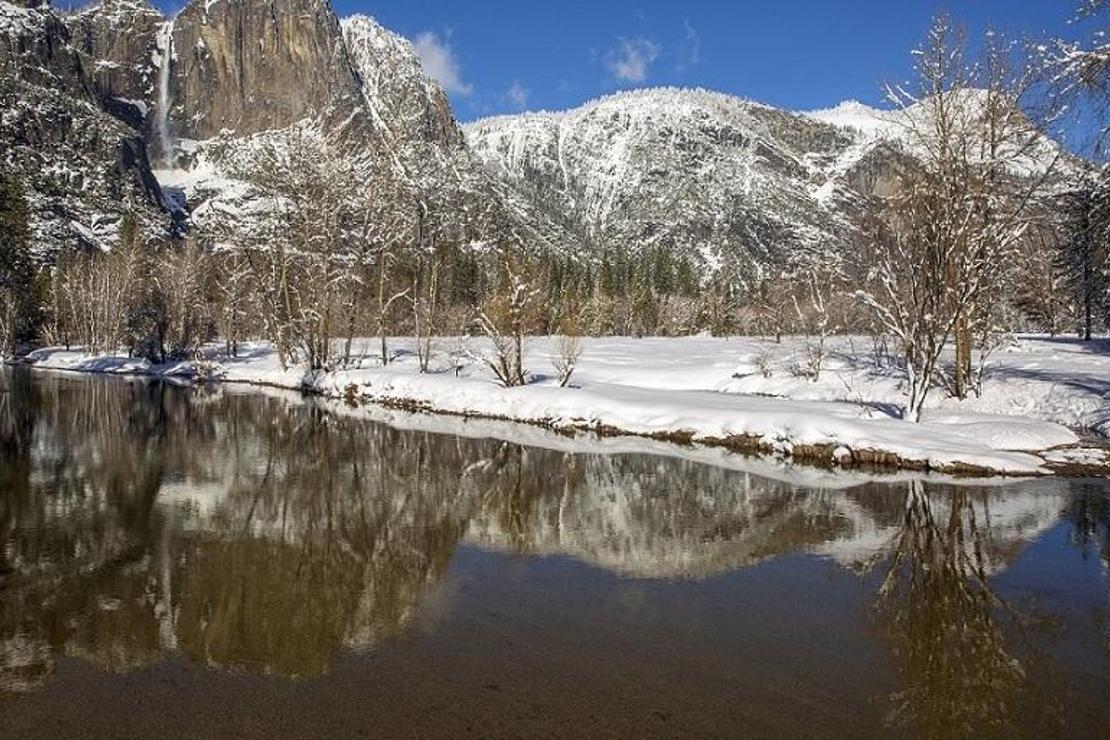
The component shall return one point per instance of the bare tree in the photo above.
(964, 202)
(1040, 291)
(182, 278)
(770, 300)
(818, 289)
(233, 298)
(302, 266)
(568, 352)
(381, 227)
(425, 316)
(93, 293)
(387, 297)
(505, 318)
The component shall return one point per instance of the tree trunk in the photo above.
(1088, 310)
(963, 356)
(519, 369)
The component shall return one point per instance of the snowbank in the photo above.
(740, 393)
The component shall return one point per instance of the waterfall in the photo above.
(165, 47)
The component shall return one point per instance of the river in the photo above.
(224, 562)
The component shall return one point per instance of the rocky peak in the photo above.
(246, 66)
(121, 11)
(399, 94)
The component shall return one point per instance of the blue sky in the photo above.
(500, 56)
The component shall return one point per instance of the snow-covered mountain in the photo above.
(864, 119)
(89, 94)
(369, 96)
(712, 177)
(700, 173)
(1027, 151)
(706, 175)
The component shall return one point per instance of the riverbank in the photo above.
(740, 393)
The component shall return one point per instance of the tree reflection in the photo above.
(1089, 514)
(253, 533)
(139, 519)
(941, 615)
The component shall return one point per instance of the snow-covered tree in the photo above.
(951, 229)
(231, 291)
(310, 259)
(182, 277)
(1080, 70)
(506, 317)
(814, 298)
(568, 353)
(938, 609)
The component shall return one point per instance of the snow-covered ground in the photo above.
(743, 391)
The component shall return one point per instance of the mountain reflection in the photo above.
(267, 534)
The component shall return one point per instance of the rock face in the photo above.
(87, 95)
(117, 40)
(82, 167)
(35, 49)
(367, 91)
(245, 66)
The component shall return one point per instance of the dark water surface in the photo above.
(177, 562)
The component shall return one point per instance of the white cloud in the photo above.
(439, 62)
(517, 95)
(631, 59)
(689, 54)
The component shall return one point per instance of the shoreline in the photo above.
(386, 388)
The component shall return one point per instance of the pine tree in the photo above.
(1083, 256)
(18, 294)
(645, 307)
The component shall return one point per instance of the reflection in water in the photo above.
(1089, 513)
(266, 533)
(140, 520)
(959, 680)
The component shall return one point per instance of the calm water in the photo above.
(201, 563)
